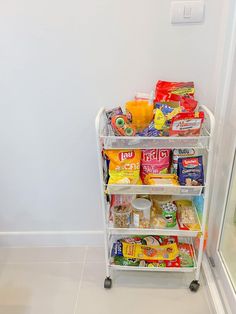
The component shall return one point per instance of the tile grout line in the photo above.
(81, 279)
(47, 262)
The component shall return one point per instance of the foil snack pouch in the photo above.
(124, 166)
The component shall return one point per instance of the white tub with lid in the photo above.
(141, 212)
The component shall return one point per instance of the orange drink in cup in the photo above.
(140, 113)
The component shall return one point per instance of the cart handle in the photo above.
(211, 117)
(98, 119)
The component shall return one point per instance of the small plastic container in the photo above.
(141, 212)
(121, 216)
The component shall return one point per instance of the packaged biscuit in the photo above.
(162, 179)
(154, 161)
(186, 124)
(122, 261)
(124, 166)
(186, 255)
(181, 153)
(186, 215)
(190, 171)
(147, 252)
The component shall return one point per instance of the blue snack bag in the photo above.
(190, 171)
(117, 249)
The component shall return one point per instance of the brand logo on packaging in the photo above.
(190, 162)
(126, 155)
(155, 154)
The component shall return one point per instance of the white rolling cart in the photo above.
(204, 142)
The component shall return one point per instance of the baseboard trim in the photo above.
(51, 238)
(214, 295)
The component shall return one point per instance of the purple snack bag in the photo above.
(150, 131)
(113, 112)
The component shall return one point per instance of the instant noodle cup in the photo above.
(124, 166)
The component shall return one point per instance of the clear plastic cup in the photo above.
(140, 112)
(121, 216)
(141, 212)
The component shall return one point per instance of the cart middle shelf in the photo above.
(153, 189)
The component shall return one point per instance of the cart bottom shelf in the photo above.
(157, 269)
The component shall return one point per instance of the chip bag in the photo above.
(181, 153)
(166, 91)
(124, 166)
(164, 112)
(154, 161)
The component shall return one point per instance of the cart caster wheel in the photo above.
(194, 286)
(107, 283)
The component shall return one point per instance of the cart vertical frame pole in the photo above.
(103, 202)
(206, 193)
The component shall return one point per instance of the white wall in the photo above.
(60, 61)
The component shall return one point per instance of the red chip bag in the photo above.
(154, 161)
(167, 91)
(188, 104)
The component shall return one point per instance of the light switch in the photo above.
(187, 12)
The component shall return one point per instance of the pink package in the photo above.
(154, 161)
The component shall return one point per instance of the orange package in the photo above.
(124, 166)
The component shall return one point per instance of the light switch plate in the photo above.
(187, 12)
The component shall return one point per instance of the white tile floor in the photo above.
(70, 281)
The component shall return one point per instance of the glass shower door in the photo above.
(227, 245)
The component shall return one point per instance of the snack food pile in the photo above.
(152, 251)
(154, 211)
(173, 111)
(155, 167)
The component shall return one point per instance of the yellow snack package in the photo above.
(186, 215)
(150, 252)
(162, 179)
(124, 166)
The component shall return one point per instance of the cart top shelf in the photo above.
(109, 141)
